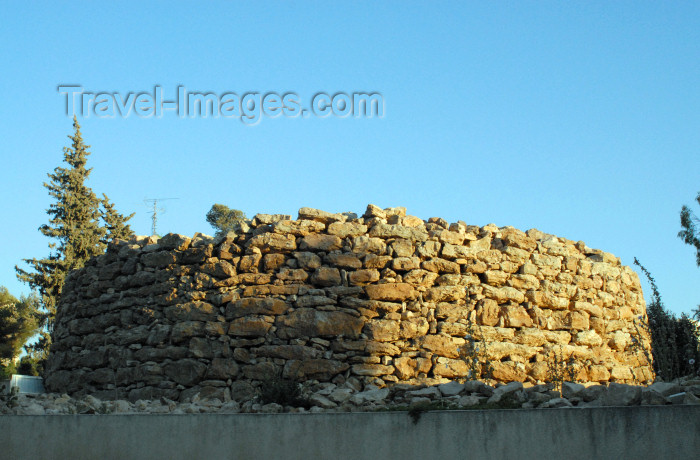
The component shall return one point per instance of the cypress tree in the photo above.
(75, 226)
(115, 223)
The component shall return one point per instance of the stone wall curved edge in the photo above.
(384, 298)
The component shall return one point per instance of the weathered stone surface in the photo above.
(363, 277)
(374, 370)
(191, 311)
(320, 216)
(346, 229)
(621, 395)
(345, 260)
(445, 293)
(406, 367)
(441, 345)
(391, 291)
(319, 242)
(318, 369)
(256, 306)
(249, 327)
(223, 369)
(326, 276)
(268, 242)
(389, 294)
(398, 231)
(291, 352)
(515, 316)
(307, 322)
(185, 371)
(382, 330)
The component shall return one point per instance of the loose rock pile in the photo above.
(332, 299)
(328, 397)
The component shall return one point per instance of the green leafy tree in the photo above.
(674, 341)
(19, 320)
(80, 225)
(224, 219)
(690, 234)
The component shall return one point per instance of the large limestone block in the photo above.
(503, 294)
(413, 327)
(191, 311)
(532, 337)
(368, 245)
(256, 306)
(308, 260)
(267, 242)
(292, 352)
(298, 227)
(220, 269)
(307, 322)
(314, 369)
(174, 241)
(391, 292)
(222, 369)
(488, 312)
(345, 260)
(445, 293)
(515, 316)
(618, 394)
(249, 327)
(292, 274)
(346, 229)
(186, 329)
(496, 351)
(382, 330)
(363, 277)
(398, 231)
(547, 300)
(420, 277)
(440, 266)
(588, 338)
(407, 367)
(452, 311)
(441, 345)
(373, 370)
(450, 368)
(320, 242)
(509, 371)
(186, 372)
(326, 277)
(320, 216)
(158, 259)
(451, 251)
(405, 263)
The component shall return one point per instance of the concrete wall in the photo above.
(671, 432)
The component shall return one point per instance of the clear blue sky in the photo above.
(579, 119)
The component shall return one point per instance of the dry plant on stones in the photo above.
(560, 370)
(474, 355)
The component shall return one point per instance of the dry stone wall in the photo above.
(381, 299)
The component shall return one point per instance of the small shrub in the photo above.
(474, 355)
(561, 370)
(283, 392)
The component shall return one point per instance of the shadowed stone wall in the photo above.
(383, 298)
